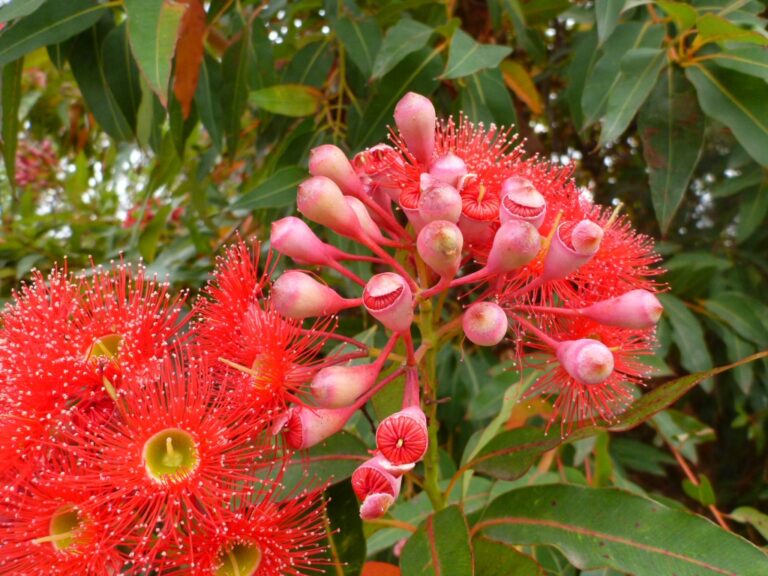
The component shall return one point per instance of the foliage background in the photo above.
(114, 146)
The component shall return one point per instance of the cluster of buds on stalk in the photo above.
(457, 210)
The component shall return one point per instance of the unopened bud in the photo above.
(307, 426)
(402, 438)
(563, 259)
(292, 237)
(440, 244)
(449, 169)
(321, 200)
(329, 160)
(298, 295)
(516, 243)
(588, 361)
(364, 218)
(521, 201)
(638, 309)
(440, 201)
(586, 237)
(389, 299)
(340, 386)
(415, 118)
(376, 486)
(485, 323)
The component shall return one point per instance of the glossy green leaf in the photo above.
(310, 65)
(330, 461)
(11, 98)
(402, 39)
(467, 56)
(439, 546)
(493, 558)
(276, 191)
(361, 40)
(597, 528)
(208, 99)
(235, 84)
(753, 209)
(153, 28)
(738, 312)
(605, 74)
(121, 73)
(755, 518)
(54, 22)
(344, 532)
(18, 9)
(584, 56)
(715, 28)
(752, 60)
(150, 235)
(607, 17)
(736, 100)
(671, 128)
(486, 99)
(688, 334)
(293, 100)
(526, 37)
(701, 492)
(639, 69)
(87, 64)
(683, 15)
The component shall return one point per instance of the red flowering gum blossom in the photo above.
(637, 309)
(322, 201)
(485, 323)
(416, 118)
(588, 361)
(330, 161)
(449, 169)
(440, 244)
(564, 258)
(297, 295)
(521, 201)
(388, 298)
(376, 486)
(402, 438)
(440, 201)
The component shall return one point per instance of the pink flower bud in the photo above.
(521, 201)
(376, 487)
(562, 258)
(367, 224)
(588, 361)
(298, 295)
(292, 237)
(516, 243)
(485, 323)
(449, 169)
(321, 200)
(328, 160)
(440, 244)
(340, 386)
(440, 201)
(307, 426)
(402, 438)
(389, 299)
(415, 118)
(638, 309)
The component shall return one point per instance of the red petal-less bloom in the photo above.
(273, 535)
(271, 356)
(170, 458)
(47, 533)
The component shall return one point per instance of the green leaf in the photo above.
(486, 99)
(752, 60)
(153, 27)
(596, 528)
(701, 492)
(739, 313)
(639, 69)
(605, 74)
(330, 461)
(607, 16)
(417, 73)
(361, 41)
(276, 191)
(11, 98)
(748, 515)
(753, 208)
(684, 15)
(736, 100)
(121, 73)
(494, 558)
(467, 56)
(208, 99)
(714, 28)
(345, 537)
(235, 68)
(88, 68)
(688, 334)
(671, 128)
(404, 38)
(150, 235)
(52, 23)
(310, 65)
(439, 546)
(18, 9)
(584, 56)
(293, 100)
(542, 11)
(526, 37)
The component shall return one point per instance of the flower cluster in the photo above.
(137, 442)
